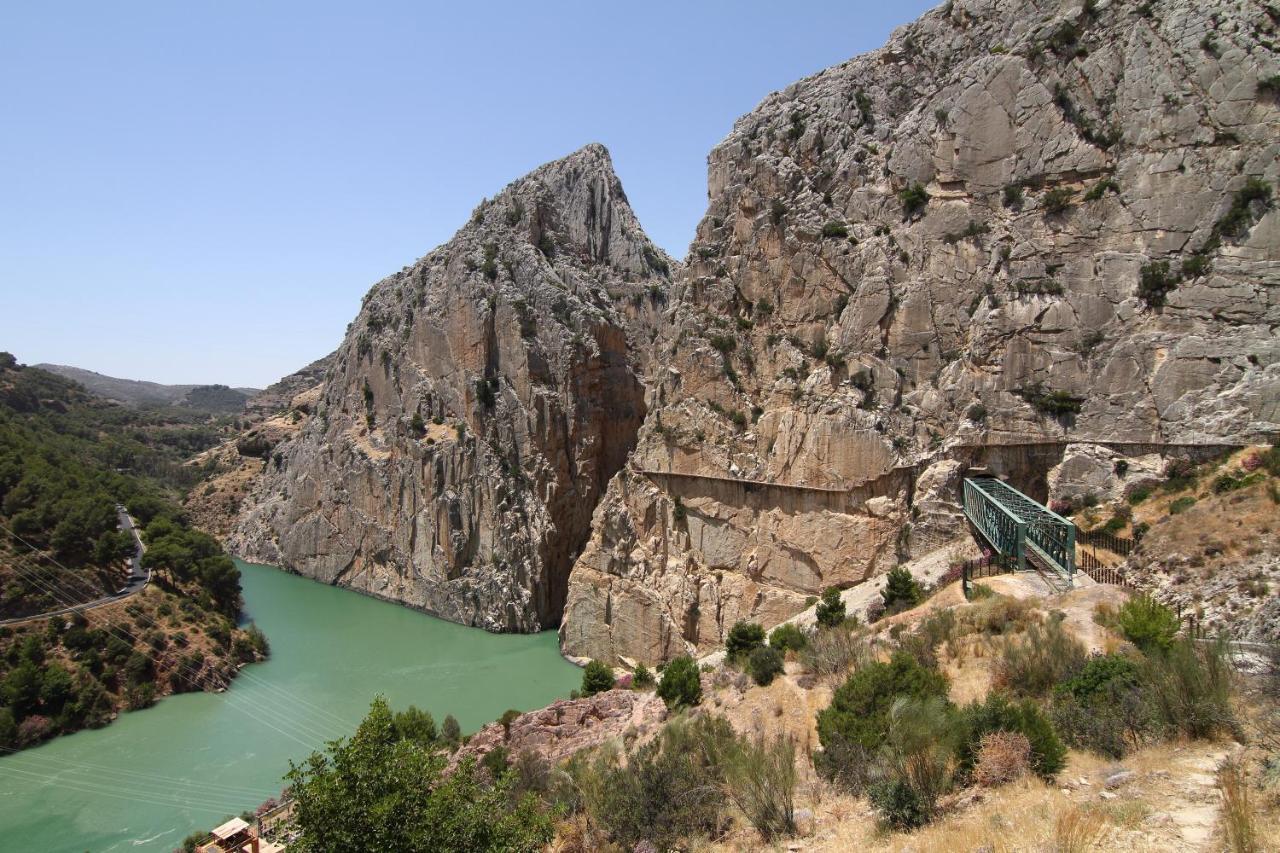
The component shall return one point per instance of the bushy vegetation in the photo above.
(743, 639)
(788, 637)
(678, 787)
(380, 790)
(914, 199)
(681, 683)
(1147, 623)
(901, 591)
(66, 460)
(830, 611)
(764, 664)
(597, 677)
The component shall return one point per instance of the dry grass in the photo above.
(1003, 757)
(1238, 817)
(1079, 830)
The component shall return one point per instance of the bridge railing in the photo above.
(1004, 530)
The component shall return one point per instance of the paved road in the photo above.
(138, 578)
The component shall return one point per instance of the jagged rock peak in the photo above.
(475, 412)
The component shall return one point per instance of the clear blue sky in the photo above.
(202, 192)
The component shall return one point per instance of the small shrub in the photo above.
(857, 722)
(743, 639)
(1147, 623)
(1195, 266)
(913, 198)
(1057, 200)
(832, 651)
(1003, 757)
(764, 664)
(1181, 504)
(1012, 197)
(761, 777)
(898, 804)
(597, 677)
(901, 591)
(1189, 687)
(1046, 754)
(976, 413)
(830, 611)
(788, 637)
(777, 211)
(835, 229)
(1032, 664)
(1155, 283)
(1098, 190)
(681, 684)
(1239, 822)
(643, 677)
(1102, 708)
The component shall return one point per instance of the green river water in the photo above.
(151, 777)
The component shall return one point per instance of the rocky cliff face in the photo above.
(1021, 235)
(477, 409)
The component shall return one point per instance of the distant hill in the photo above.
(218, 399)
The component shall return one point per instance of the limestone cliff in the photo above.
(477, 409)
(1018, 234)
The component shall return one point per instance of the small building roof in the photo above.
(229, 829)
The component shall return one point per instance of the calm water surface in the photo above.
(147, 780)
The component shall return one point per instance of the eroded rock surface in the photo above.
(477, 409)
(556, 732)
(1019, 226)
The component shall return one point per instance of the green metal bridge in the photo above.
(1019, 528)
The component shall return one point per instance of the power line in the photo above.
(18, 755)
(100, 791)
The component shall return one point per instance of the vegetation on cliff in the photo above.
(66, 460)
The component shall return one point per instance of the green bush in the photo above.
(1147, 623)
(1013, 196)
(642, 678)
(670, 789)
(415, 724)
(764, 664)
(913, 198)
(998, 714)
(901, 591)
(1181, 505)
(1188, 686)
(788, 637)
(920, 747)
(378, 792)
(835, 229)
(1103, 708)
(1057, 200)
(681, 684)
(898, 804)
(743, 638)
(1033, 664)
(597, 677)
(830, 611)
(856, 722)
(1155, 282)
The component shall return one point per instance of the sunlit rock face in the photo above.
(934, 248)
(476, 410)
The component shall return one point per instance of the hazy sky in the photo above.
(202, 192)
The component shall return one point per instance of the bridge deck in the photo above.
(1018, 526)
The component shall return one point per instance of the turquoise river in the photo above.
(151, 777)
